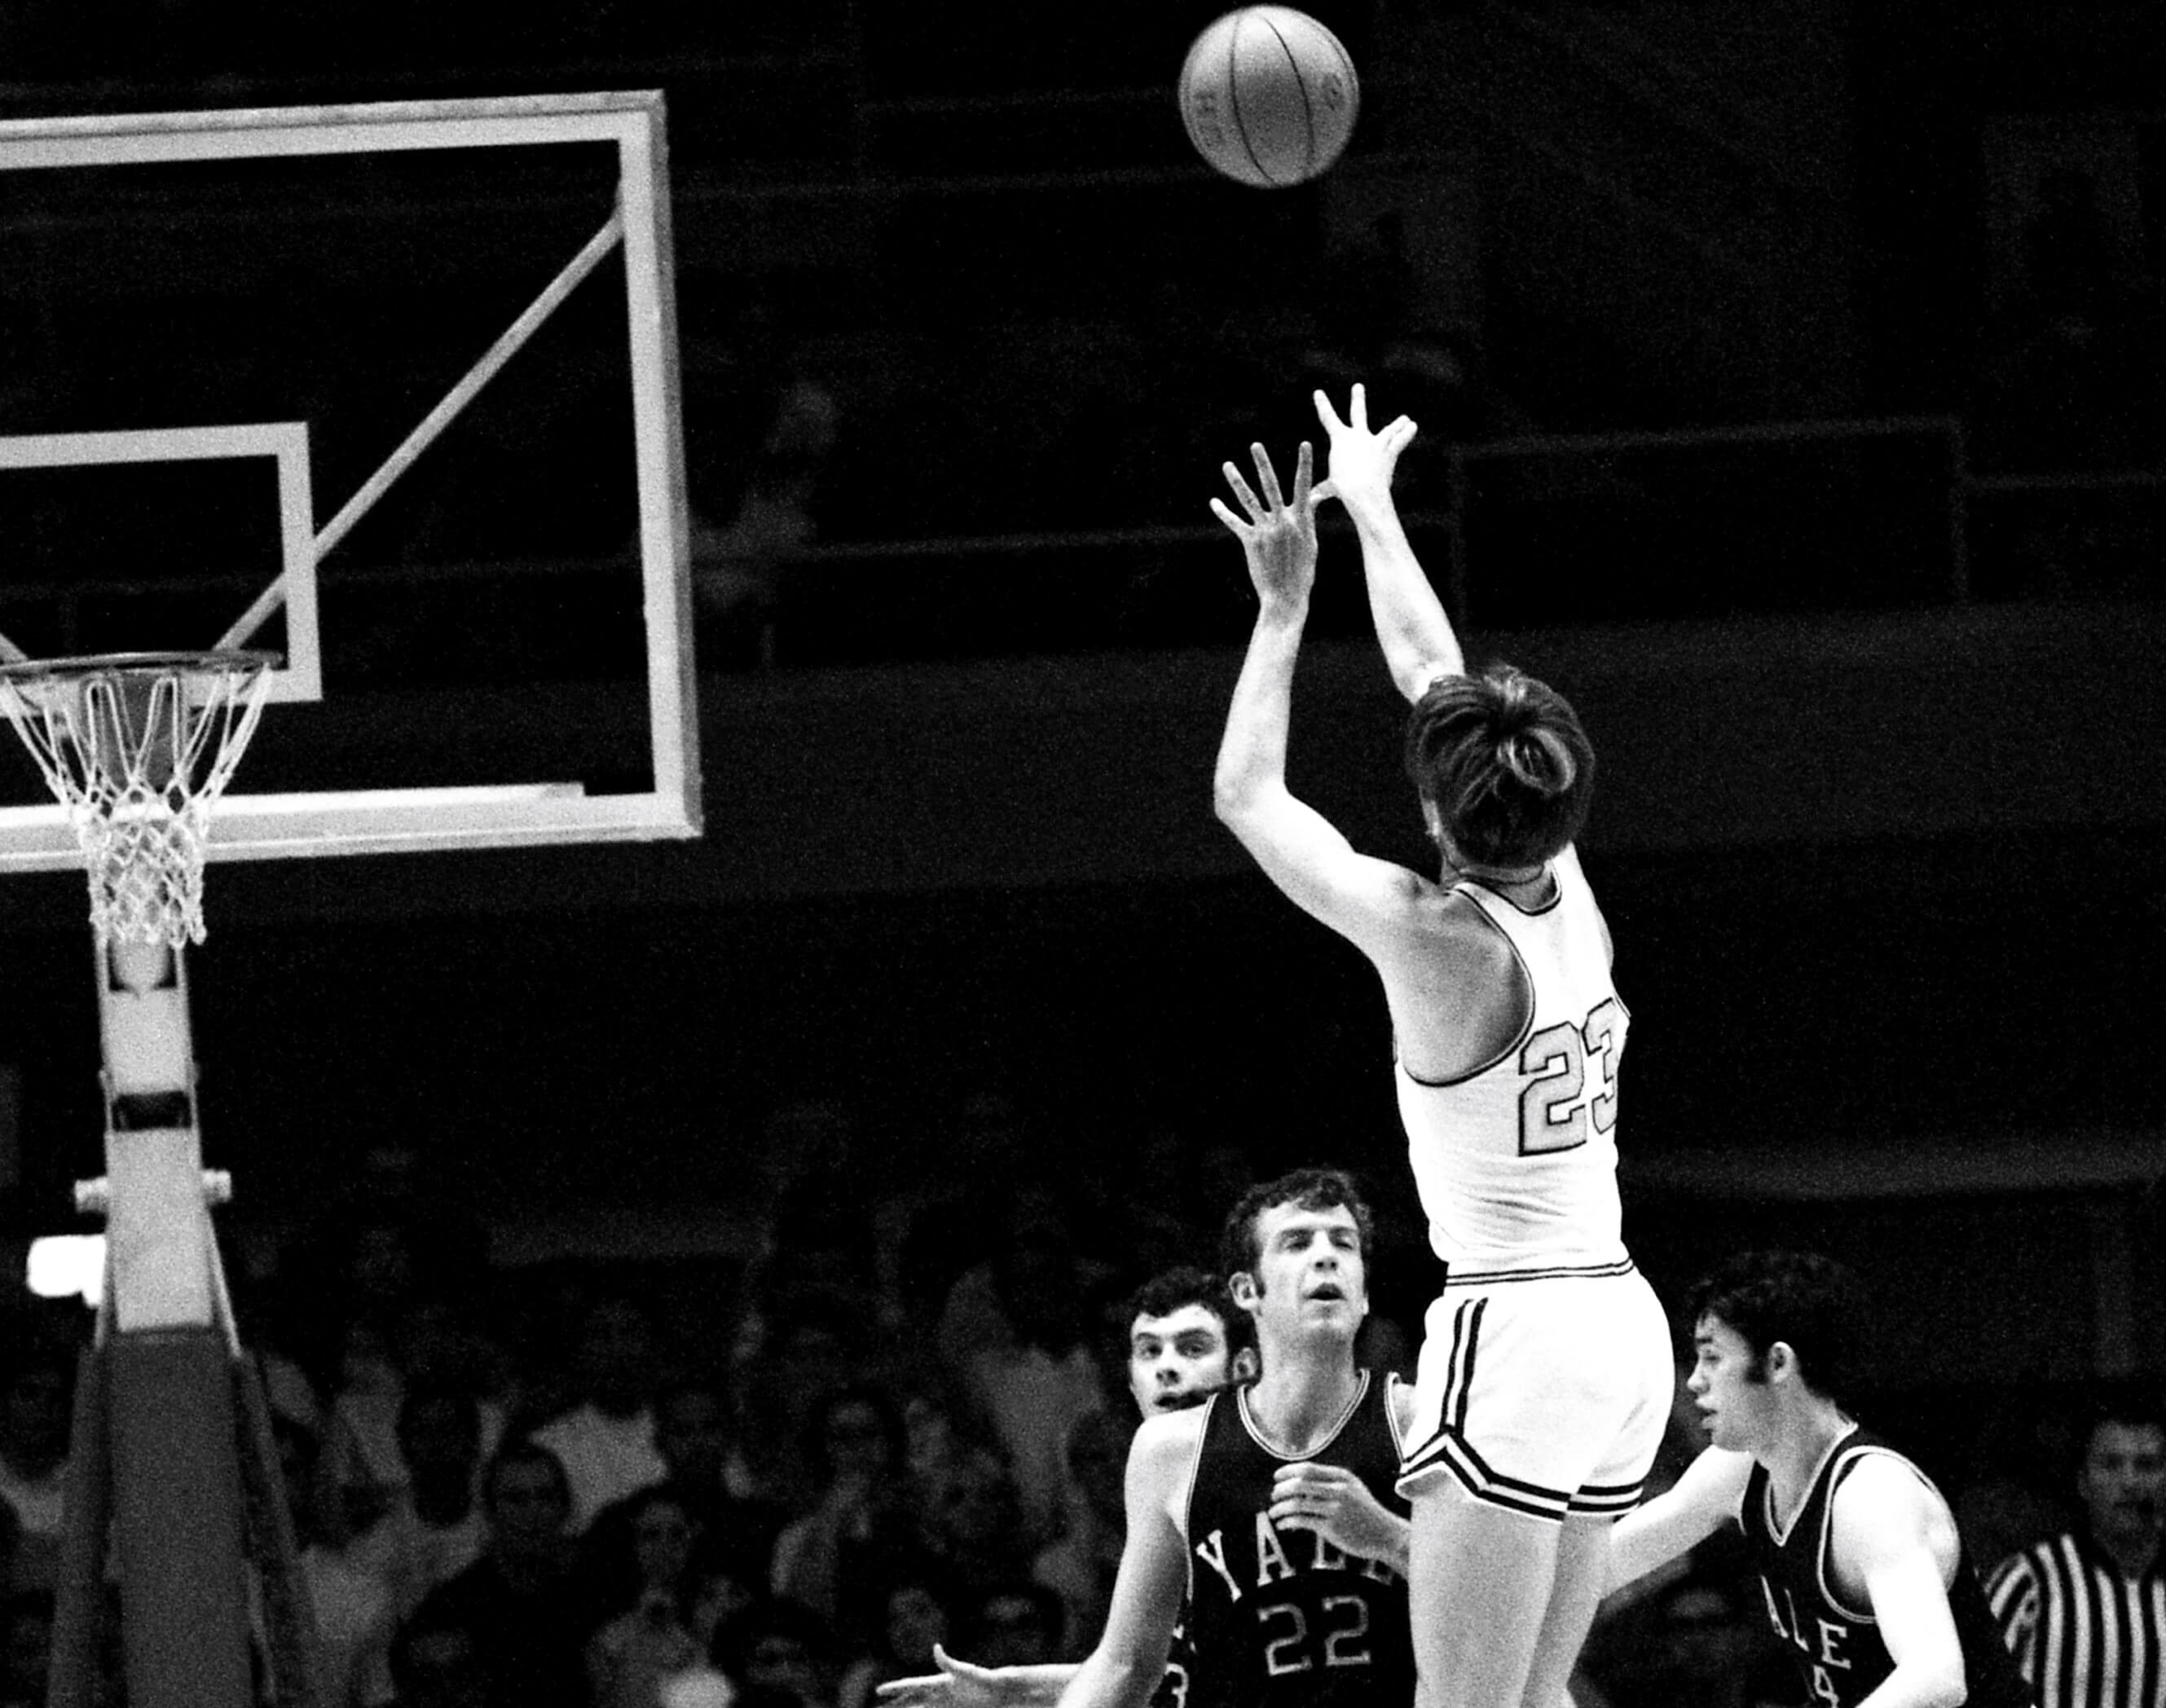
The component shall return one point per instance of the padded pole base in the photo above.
(177, 1519)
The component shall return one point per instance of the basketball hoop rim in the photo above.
(93, 664)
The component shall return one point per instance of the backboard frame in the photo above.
(246, 826)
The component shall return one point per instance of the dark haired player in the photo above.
(1545, 1372)
(1187, 1340)
(1861, 1572)
(1267, 1513)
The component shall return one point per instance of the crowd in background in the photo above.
(901, 1420)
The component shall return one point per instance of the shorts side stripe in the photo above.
(1465, 1337)
(1447, 1451)
(1620, 1500)
(1493, 1277)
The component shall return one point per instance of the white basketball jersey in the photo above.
(1516, 1162)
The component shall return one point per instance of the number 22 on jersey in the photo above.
(1571, 1080)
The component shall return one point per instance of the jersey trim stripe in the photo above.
(1556, 895)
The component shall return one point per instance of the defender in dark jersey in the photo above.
(1860, 1571)
(1187, 1340)
(1297, 1562)
(1283, 1614)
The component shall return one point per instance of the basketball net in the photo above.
(138, 745)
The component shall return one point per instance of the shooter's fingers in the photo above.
(1268, 477)
(1243, 492)
(1399, 434)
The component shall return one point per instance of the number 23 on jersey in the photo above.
(1571, 1081)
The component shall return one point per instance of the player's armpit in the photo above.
(1371, 902)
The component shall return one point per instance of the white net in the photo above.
(137, 748)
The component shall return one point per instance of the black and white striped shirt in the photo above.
(2085, 1635)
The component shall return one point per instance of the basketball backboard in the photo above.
(390, 390)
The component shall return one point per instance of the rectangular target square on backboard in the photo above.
(299, 675)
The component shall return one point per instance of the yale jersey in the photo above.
(1175, 1682)
(1837, 1648)
(1280, 1617)
(1516, 1161)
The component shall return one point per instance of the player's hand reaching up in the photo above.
(1361, 463)
(1336, 1505)
(1278, 536)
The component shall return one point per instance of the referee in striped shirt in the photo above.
(2084, 1612)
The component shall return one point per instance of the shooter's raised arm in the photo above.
(1411, 629)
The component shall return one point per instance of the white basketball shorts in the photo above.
(1546, 1393)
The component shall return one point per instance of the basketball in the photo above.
(1269, 96)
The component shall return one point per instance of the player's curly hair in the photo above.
(1812, 1303)
(1503, 756)
(1239, 1250)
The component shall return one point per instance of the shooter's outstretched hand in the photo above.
(1361, 463)
(1279, 538)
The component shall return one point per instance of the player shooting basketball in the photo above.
(1545, 1375)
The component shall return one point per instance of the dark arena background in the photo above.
(1789, 379)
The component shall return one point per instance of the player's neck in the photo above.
(1302, 1395)
(1794, 1458)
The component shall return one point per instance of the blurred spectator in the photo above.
(933, 1434)
(649, 1635)
(1081, 1567)
(437, 1663)
(356, 1610)
(435, 1529)
(1694, 1643)
(805, 1356)
(517, 1601)
(26, 1641)
(2015, 1488)
(605, 1443)
(972, 1521)
(778, 1654)
(425, 1339)
(693, 1434)
(915, 1618)
(738, 565)
(1015, 1334)
(2084, 1612)
(36, 1404)
(1016, 1624)
(862, 1534)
